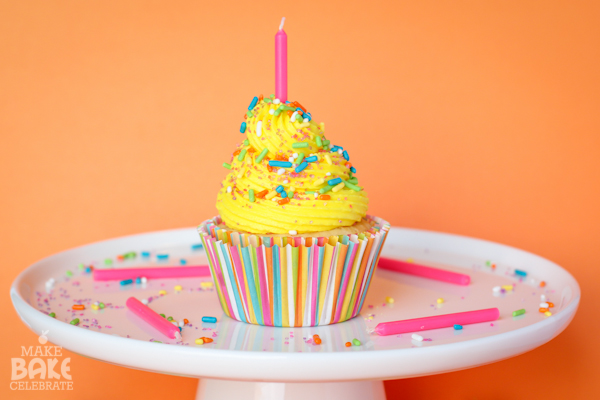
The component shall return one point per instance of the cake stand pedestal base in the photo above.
(215, 389)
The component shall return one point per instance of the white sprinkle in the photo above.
(497, 289)
(144, 301)
(181, 324)
(272, 111)
(294, 165)
(305, 120)
(144, 279)
(292, 232)
(544, 305)
(259, 128)
(543, 297)
(316, 195)
(286, 182)
(174, 322)
(328, 174)
(280, 171)
(416, 337)
(291, 159)
(330, 145)
(276, 101)
(340, 151)
(295, 155)
(274, 199)
(228, 189)
(293, 117)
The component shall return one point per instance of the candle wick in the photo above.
(282, 22)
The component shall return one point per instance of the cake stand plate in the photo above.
(255, 362)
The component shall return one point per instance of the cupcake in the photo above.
(292, 244)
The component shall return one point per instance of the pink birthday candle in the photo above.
(423, 271)
(153, 319)
(436, 322)
(281, 64)
(150, 273)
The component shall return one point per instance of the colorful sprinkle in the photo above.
(457, 327)
(346, 156)
(243, 127)
(356, 342)
(518, 312)
(251, 195)
(209, 319)
(253, 103)
(335, 181)
(520, 272)
(325, 189)
(301, 167)
(417, 337)
(227, 165)
(242, 155)
(280, 164)
(78, 307)
(126, 282)
(74, 321)
(299, 145)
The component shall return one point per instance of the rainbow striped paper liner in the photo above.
(292, 281)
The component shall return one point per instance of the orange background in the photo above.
(473, 117)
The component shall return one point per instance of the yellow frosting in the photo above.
(271, 127)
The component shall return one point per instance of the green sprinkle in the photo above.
(169, 318)
(262, 155)
(108, 261)
(299, 118)
(272, 96)
(353, 180)
(226, 165)
(518, 312)
(81, 266)
(69, 273)
(163, 315)
(101, 305)
(290, 194)
(242, 155)
(319, 141)
(288, 108)
(309, 191)
(488, 263)
(277, 112)
(267, 100)
(251, 195)
(351, 186)
(156, 341)
(246, 142)
(53, 315)
(325, 189)
(249, 114)
(75, 321)
(356, 342)
(130, 255)
(326, 142)
(299, 145)
(299, 159)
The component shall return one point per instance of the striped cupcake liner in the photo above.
(292, 281)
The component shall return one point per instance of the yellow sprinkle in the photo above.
(389, 300)
(207, 284)
(410, 260)
(178, 288)
(440, 300)
(507, 287)
(319, 181)
(547, 313)
(163, 292)
(322, 126)
(304, 125)
(271, 194)
(241, 173)
(338, 187)
(199, 341)
(95, 307)
(328, 159)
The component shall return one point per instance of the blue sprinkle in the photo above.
(520, 273)
(346, 156)
(183, 261)
(353, 170)
(283, 194)
(243, 127)
(335, 181)
(282, 164)
(126, 282)
(88, 270)
(209, 319)
(179, 328)
(457, 327)
(279, 189)
(197, 246)
(138, 280)
(311, 159)
(336, 148)
(145, 254)
(253, 103)
(307, 115)
(301, 167)
(162, 256)
(299, 109)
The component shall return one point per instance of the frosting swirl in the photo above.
(286, 177)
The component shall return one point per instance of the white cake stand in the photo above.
(254, 362)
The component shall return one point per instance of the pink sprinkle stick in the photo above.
(423, 271)
(153, 319)
(437, 321)
(150, 273)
